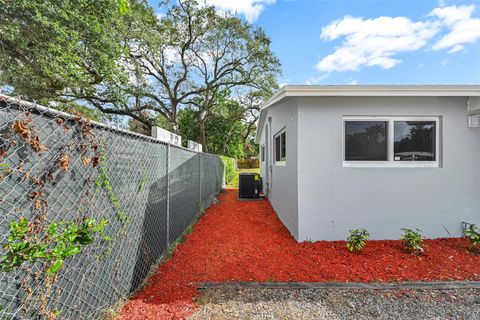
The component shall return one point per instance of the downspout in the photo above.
(269, 155)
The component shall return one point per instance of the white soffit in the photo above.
(472, 91)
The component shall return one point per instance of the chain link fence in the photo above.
(58, 167)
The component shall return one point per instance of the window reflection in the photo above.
(414, 141)
(366, 140)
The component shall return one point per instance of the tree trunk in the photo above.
(174, 123)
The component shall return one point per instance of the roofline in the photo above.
(365, 91)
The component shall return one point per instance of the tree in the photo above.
(192, 55)
(51, 48)
(225, 128)
(231, 54)
(161, 65)
(89, 55)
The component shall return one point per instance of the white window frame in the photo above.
(282, 162)
(390, 162)
(263, 149)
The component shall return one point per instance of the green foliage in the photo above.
(230, 170)
(114, 57)
(28, 242)
(103, 180)
(473, 235)
(143, 182)
(48, 47)
(84, 111)
(200, 208)
(356, 240)
(412, 239)
(122, 6)
(5, 167)
(229, 128)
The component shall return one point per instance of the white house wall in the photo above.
(283, 193)
(332, 199)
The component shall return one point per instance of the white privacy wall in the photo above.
(283, 193)
(333, 199)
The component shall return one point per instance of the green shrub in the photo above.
(412, 239)
(356, 240)
(230, 170)
(473, 235)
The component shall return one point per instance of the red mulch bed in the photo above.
(245, 241)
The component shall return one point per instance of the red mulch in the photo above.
(245, 241)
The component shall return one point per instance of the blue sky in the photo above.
(367, 41)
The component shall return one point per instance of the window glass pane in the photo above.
(414, 141)
(366, 140)
(283, 154)
(277, 148)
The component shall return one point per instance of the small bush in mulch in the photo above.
(412, 240)
(473, 235)
(356, 240)
(245, 241)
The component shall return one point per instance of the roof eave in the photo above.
(365, 91)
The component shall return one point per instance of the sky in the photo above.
(368, 42)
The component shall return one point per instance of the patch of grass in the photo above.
(234, 183)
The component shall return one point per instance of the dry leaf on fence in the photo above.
(95, 161)
(26, 175)
(86, 161)
(3, 153)
(37, 146)
(37, 182)
(21, 127)
(59, 121)
(38, 205)
(63, 162)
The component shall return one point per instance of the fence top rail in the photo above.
(57, 113)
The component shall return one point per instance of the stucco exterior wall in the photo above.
(333, 199)
(282, 185)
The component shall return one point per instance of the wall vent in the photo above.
(474, 121)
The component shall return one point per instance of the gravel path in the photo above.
(335, 304)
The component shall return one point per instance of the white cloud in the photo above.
(463, 28)
(354, 82)
(250, 9)
(316, 80)
(456, 48)
(444, 62)
(284, 82)
(373, 42)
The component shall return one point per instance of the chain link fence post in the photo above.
(167, 176)
(200, 178)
